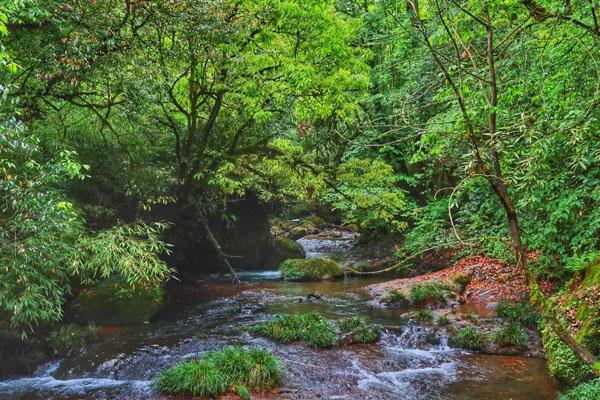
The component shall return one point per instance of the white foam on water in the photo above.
(406, 381)
(42, 381)
(79, 386)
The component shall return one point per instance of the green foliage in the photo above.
(564, 365)
(128, 250)
(470, 338)
(39, 229)
(231, 369)
(511, 335)
(517, 313)
(367, 196)
(311, 327)
(43, 243)
(585, 391)
(429, 292)
(314, 269)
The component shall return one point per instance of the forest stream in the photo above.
(124, 362)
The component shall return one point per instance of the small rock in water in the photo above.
(316, 296)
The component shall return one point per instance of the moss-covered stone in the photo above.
(285, 248)
(314, 269)
(588, 308)
(114, 302)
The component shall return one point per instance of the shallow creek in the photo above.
(124, 362)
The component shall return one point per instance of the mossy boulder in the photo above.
(586, 299)
(114, 302)
(314, 269)
(284, 248)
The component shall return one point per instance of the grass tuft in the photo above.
(430, 292)
(511, 335)
(311, 327)
(316, 330)
(470, 338)
(361, 331)
(234, 369)
(521, 313)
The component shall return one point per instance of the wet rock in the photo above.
(243, 233)
(19, 356)
(114, 302)
(314, 269)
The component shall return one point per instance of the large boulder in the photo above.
(242, 230)
(311, 269)
(283, 249)
(114, 302)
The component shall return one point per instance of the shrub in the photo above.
(314, 269)
(311, 327)
(522, 313)
(434, 292)
(586, 391)
(231, 369)
(511, 335)
(470, 338)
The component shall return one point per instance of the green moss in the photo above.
(585, 391)
(314, 221)
(286, 248)
(470, 338)
(114, 302)
(592, 274)
(232, 369)
(511, 335)
(564, 365)
(72, 336)
(314, 269)
(430, 292)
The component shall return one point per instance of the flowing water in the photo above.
(123, 364)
